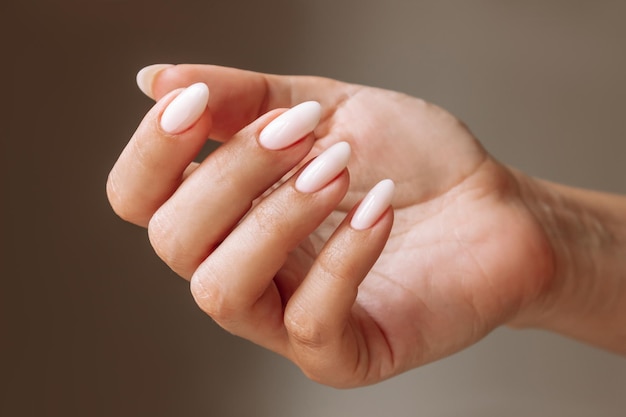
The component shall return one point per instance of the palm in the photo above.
(458, 261)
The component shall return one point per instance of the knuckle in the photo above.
(212, 299)
(124, 204)
(141, 153)
(272, 219)
(165, 240)
(303, 329)
(333, 376)
(317, 375)
(118, 202)
(333, 266)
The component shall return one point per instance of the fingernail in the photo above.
(324, 168)
(373, 205)
(185, 109)
(291, 126)
(145, 77)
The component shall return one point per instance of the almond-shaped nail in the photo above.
(146, 76)
(324, 168)
(373, 205)
(186, 109)
(291, 126)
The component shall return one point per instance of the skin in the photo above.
(469, 245)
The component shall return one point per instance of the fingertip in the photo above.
(324, 168)
(373, 206)
(146, 76)
(291, 126)
(185, 110)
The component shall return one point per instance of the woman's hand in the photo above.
(286, 269)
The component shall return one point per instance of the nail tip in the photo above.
(388, 184)
(185, 110)
(291, 126)
(145, 77)
(324, 168)
(314, 106)
(373, 205)
(202, 90)
(315, 110)
(345, 149)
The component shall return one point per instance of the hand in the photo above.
(464, 256)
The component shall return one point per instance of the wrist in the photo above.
(586, 296)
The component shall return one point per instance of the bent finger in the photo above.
(323, 327)
(152, 165)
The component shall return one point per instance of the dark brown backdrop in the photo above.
(93, 324)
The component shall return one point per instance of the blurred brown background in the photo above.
(93, 324)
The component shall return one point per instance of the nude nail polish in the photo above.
(186, 109)
(291, 126)
(324, 168)
(373, 205)
(145, 77)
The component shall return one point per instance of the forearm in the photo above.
(586, 297)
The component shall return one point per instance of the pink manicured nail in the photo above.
(324, 168)
(373, 205)
(186, 109)
(291, 126)
(145, 77)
